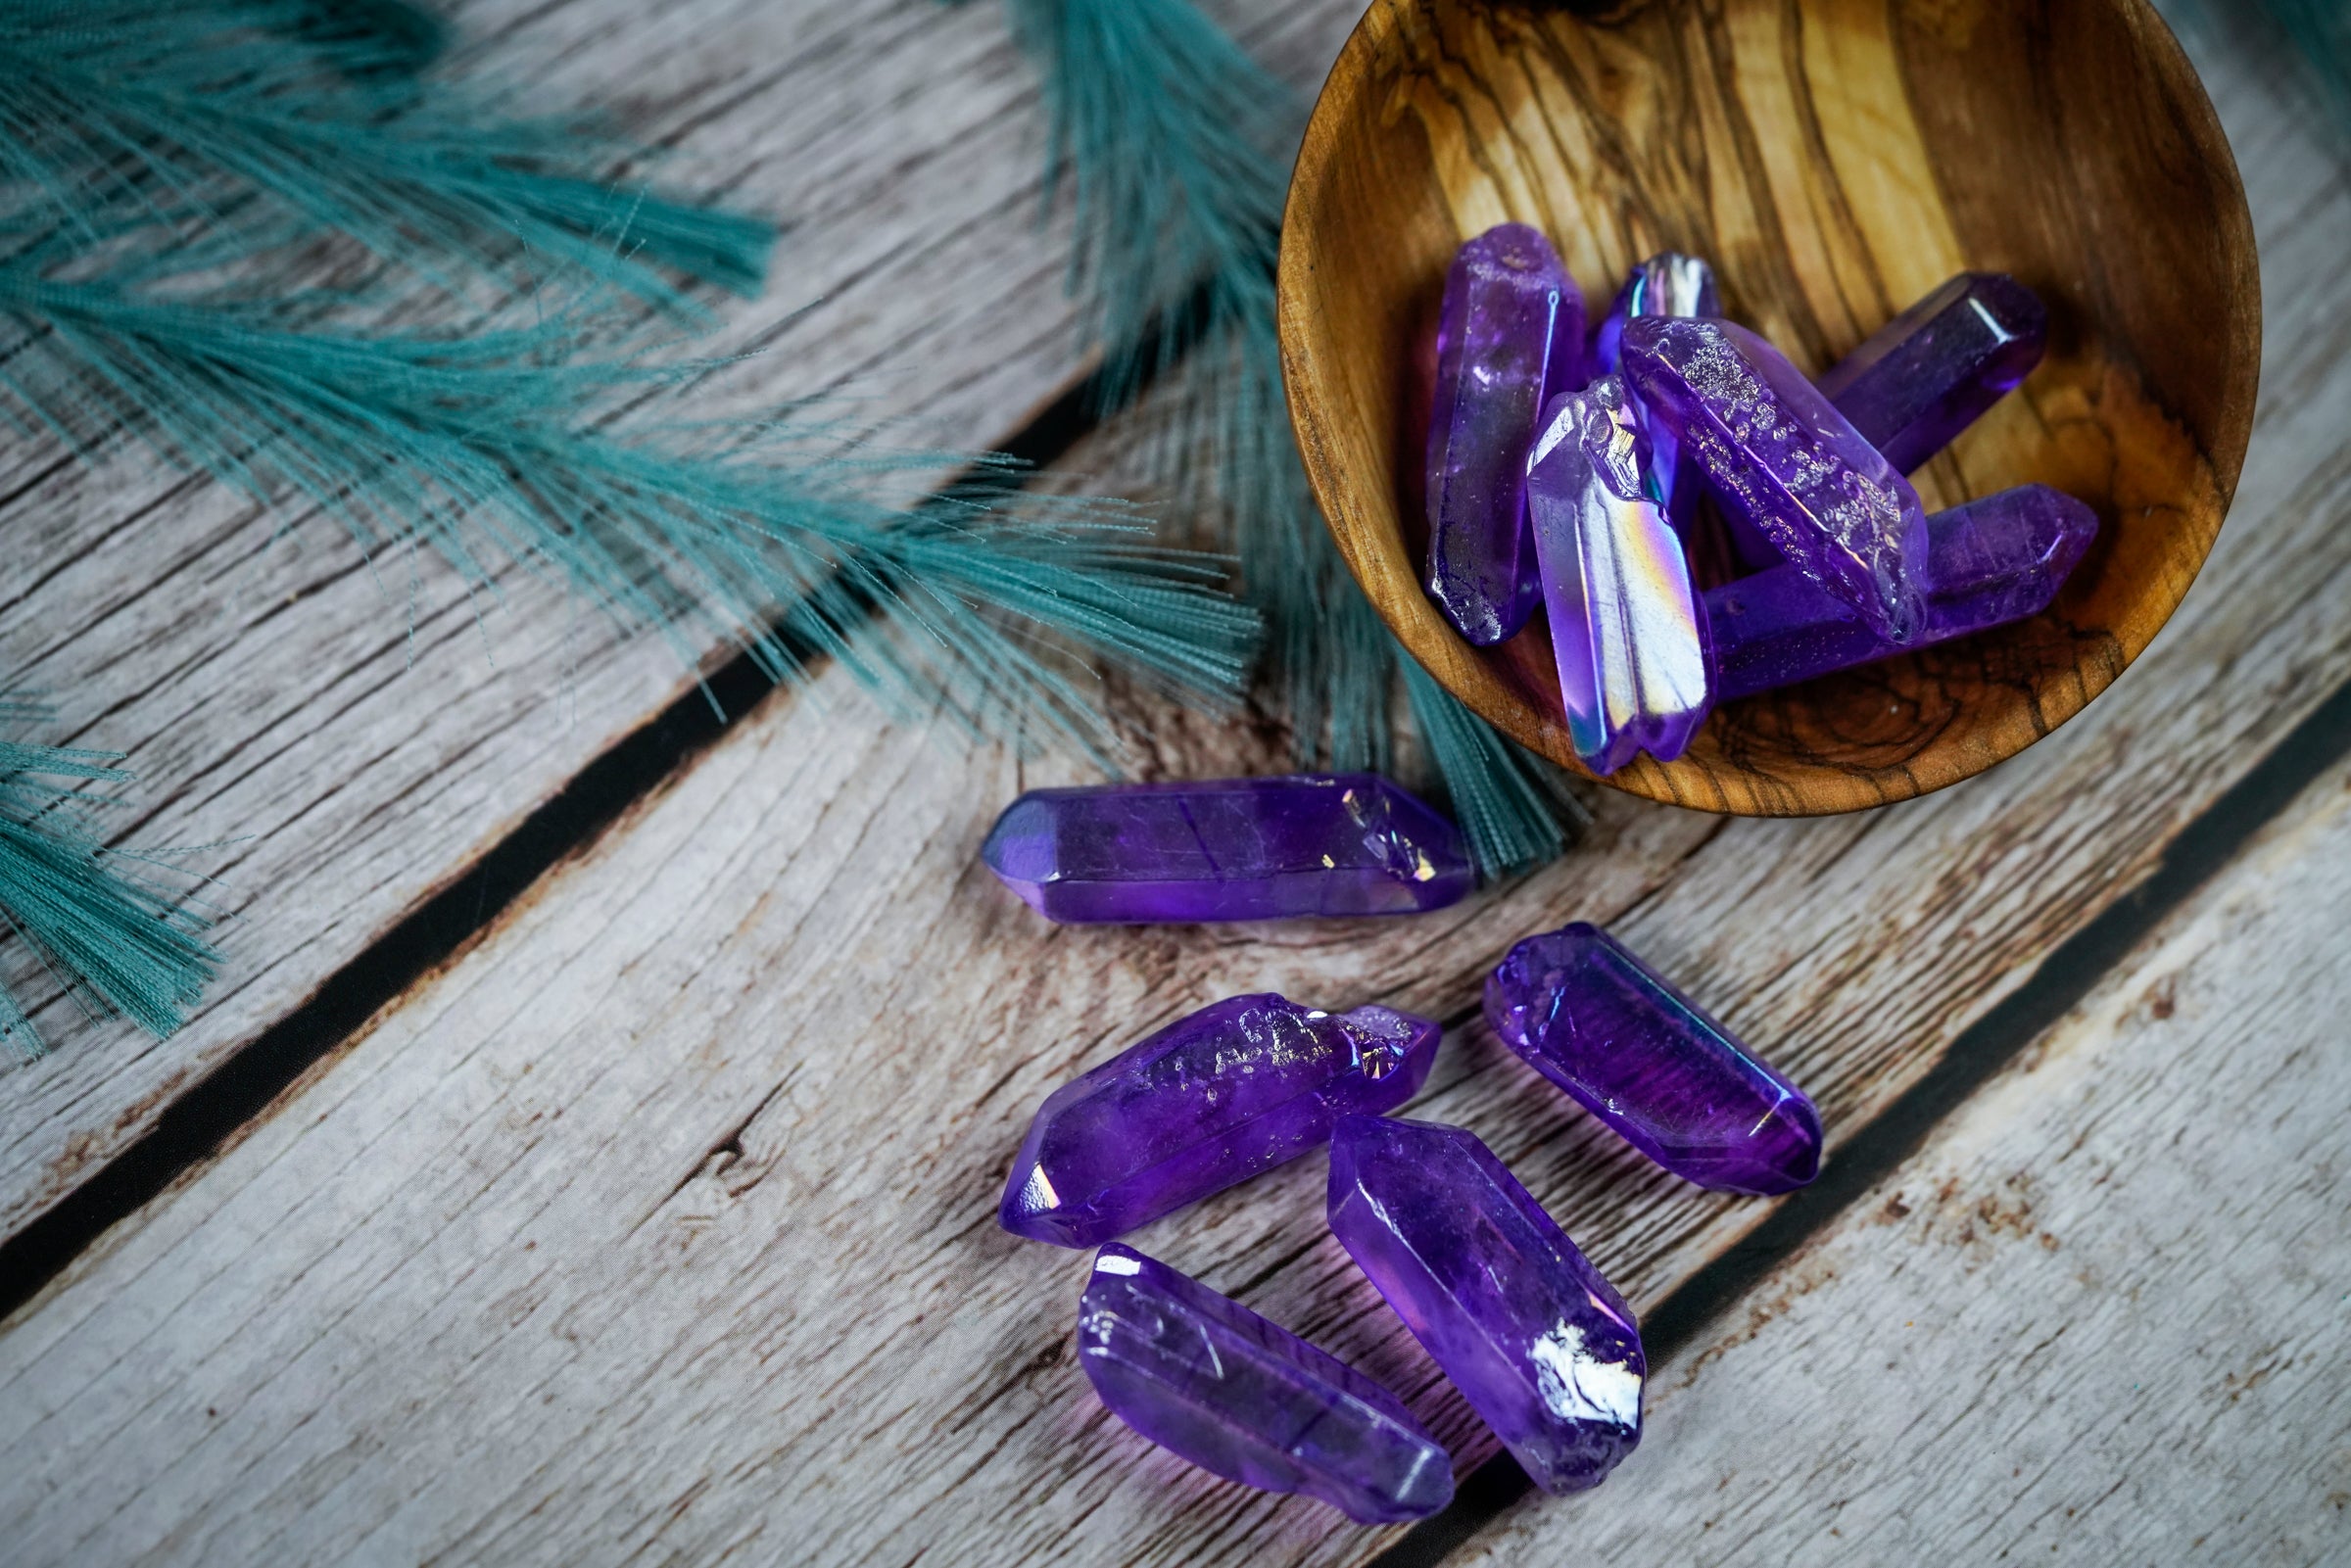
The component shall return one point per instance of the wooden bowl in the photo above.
(1834, 159)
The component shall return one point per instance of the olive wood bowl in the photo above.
(1834, 159)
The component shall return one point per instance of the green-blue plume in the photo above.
(1173, 143)
(222, 112)
(120, 940)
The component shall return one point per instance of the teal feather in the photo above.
(1173, 144)
(219, 111)
(498, 446)
(124, 942)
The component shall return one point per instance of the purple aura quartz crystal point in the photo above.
(1991, 562)
(1215, 1098)
(1638, 1055)
(1228, 849)
(1624, 622)
(1927, 374)
(1538, 1343)
(1510, 336)
(1785, 462)
(1206, 1378)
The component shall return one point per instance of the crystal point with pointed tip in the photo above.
(1991, 562)
(1535, 1338)
(1624, 622)
(1930, 372)
(1781, 458)
(1510, 336)
(1215, 1098)
(1217, 849)
(1667, 284)
(1637, 1054)
(1207, 1379)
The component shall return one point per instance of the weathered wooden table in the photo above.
(591, 1154)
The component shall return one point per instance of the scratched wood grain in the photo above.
(2098, 1319)
(272, 692)
(662, 1221)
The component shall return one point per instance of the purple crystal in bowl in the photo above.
(1783, 460)
(1992, 561)
(1625, 623)
(1220, 849)
(1667, 284)
(1932, 371)
(1207, 1379)
(1510, 336)
(1535, 1338)
(1641, 1055)
(1215, 1098)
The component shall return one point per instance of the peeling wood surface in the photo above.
(272, 691)
(2099, 1318)
(662, 1221)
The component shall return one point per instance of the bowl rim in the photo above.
(1463, 672)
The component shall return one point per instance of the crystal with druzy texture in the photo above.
(1348, 843)
(1927, 374)
(1215, 1098)
(1670, 284)
(1641, 1057)
(1782, 459)
(1624, 622)
(1206, 1378)
(1991, 562)
(1539, 1343)
(1509, 335)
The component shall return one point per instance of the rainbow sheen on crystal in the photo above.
(1624, 622)
(1667, 284)
(1217, 1096)
(1509, 335)
(1932, 371)
(1220, 849)
(1527, 1328)
(1781, 458)
(1989, 562)
(1243, 1398)
(1588, 1015)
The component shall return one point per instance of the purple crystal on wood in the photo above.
(1781, 458)
(1206, 1378)
(1641, 1055)
(1991, 562)
(1931, 371)
(1510, 336)
(1624, 622)
(1228, 849)
(1215, 1098)
(1539, 1343)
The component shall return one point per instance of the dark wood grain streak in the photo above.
(1834, 158)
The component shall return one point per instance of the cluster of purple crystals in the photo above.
(1572, 474)
(1538, 1341)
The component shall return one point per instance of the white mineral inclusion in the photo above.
(1577, 1386)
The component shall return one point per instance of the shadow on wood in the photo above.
(1835, 160)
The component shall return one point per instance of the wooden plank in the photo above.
(264, 686)
(664, 1218)
(2096, 1320)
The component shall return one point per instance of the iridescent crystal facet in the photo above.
(1991, 562)
(1215, 1098)
(1931, 371)
(1228, 849)
(1509, 335)
(1539, 1343)
(1206, 1378)
(1637, 1054)
(1782, 459)
(1624, 622)
(1667, 284)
